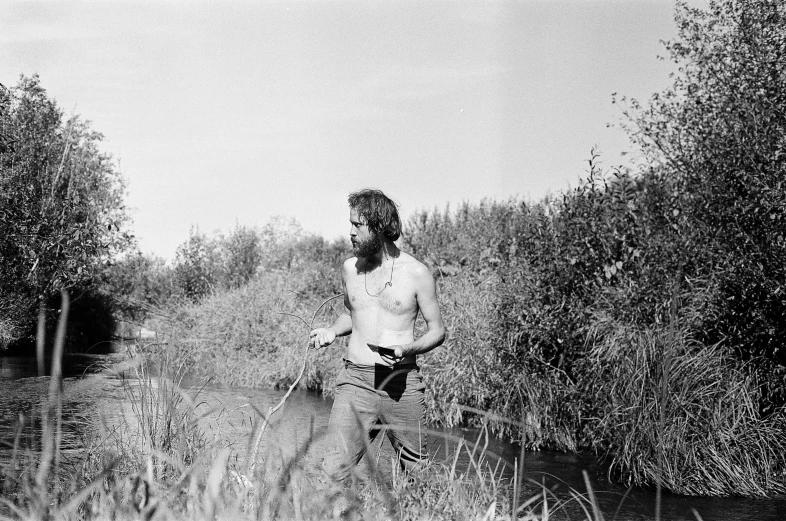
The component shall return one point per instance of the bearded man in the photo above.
(380, 384)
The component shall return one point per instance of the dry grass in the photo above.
(246, 336)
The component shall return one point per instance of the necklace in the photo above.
(387, 284)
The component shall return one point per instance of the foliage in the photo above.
(717, 140)
(195, 265)
(524, 339)
(139, 285)
(241, 256)
(92, 323)
(61, 206)
(247, 336)
(205, 264)
(523, 310)
(560, 311)
(710, 438)
(705, 212)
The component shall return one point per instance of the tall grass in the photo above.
(160, 468)
(543, 299)
(471, 374)
(246, 336)
(166, 433)
(713, 440)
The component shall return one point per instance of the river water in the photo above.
(90, 390)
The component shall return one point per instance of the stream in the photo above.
(90, 390)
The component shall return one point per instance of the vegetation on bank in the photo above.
(154, 463)
(62, 215)
(639, 315)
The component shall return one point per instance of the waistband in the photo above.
(376, 368)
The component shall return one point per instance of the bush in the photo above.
(544, 298)
(674, 410)
(61, 204)
(248, 336)
(717, 140)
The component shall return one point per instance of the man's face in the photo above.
(364, 242)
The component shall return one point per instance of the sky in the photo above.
(226, 113)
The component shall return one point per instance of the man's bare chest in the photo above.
(398, 299)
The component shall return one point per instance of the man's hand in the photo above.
(321, 337)
(391, 355)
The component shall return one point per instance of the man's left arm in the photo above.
(426, 294)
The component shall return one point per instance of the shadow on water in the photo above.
(23, 391)
(91, 327)
(75, 365)
(561, 472)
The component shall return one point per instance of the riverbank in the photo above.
(157, 458)
(152, 443)
(659, 404)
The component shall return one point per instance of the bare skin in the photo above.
(381, 316)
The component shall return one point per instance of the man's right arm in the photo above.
(324, 336)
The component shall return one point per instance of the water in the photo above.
(90, 390)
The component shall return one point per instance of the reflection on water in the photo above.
(19, 367)
(22, 395)
(227, 416)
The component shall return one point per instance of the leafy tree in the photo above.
(717, 139)
(241, 256)
(140, 285)
(196, 265)
(61, 203)
(277, 241)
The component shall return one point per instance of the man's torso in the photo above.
(381, 315)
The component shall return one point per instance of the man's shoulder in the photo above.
(413, 265)
(350, 265)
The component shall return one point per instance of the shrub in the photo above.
(675, 411)
(246, 336)
(61, 209)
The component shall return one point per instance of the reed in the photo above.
(682, 414)
(165, 432)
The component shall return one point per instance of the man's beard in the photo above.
(369, 247)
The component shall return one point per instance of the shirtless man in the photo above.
(384, 289)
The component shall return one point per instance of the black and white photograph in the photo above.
(485, 260)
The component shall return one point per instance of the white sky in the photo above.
(225, 112)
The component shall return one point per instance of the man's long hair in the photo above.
(378, 210)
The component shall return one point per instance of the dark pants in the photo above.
(367, 399)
